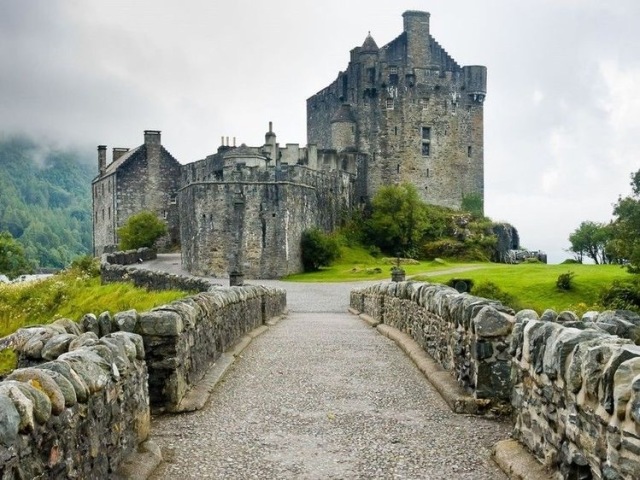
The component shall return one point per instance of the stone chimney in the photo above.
(416, 27)
(102, 159)
(152, 137)
(118, 152)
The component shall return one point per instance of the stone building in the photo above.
(405, 112)
(412, 110)
(239, 209)
(143, 178)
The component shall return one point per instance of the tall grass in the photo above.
(70, 294)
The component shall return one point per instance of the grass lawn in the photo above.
(533, 285)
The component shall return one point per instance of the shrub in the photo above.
(141, 230)
(622, 295)
(492, 291)
(570, 261)
(565, 281)
(318, 249)
(86, 265)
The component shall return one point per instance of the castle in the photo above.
(404, 112)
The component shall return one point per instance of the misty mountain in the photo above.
(45, 200)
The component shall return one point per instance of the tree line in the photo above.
(617, 241)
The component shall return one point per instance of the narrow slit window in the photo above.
(426, 141)
(469, 151)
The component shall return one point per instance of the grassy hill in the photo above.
(45, 200)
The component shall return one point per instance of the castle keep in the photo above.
(413, 113)
(404, 112)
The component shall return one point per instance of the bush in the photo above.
(87, 265)
(571, 261)
(565, 281)
(492, 291)
(622, 295)
(141, 230)
(318, 249)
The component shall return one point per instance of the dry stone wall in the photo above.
(577, 392)
(79, 402)
(77, 416)
(573, 383)
(467, 335)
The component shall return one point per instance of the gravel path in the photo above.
(323, 396)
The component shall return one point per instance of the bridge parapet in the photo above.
(84, 389)
(574, 384)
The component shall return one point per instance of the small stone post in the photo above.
(397, 272)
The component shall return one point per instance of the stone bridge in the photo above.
(321, 392)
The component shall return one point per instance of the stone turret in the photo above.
(270, 148)
(343, 129)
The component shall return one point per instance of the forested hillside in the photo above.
(45, 200)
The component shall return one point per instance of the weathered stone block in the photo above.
(162, 323)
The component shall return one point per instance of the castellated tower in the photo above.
(413, 113)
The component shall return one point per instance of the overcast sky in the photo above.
(562, 114)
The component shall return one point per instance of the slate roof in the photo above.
(369, 44)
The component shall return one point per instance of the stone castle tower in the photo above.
(412, 110)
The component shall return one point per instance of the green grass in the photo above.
(356, 263)
(533, 285)
(70, 294)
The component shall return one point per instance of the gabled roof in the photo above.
(369, 44)
(113, 166)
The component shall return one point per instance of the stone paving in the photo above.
(322, 395)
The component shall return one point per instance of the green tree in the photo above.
(625, 228)
(398, 220)
(591, 239)
(318, 249)
(13, 261)
(141, 230)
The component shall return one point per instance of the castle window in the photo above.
(428, 173)
(389, 103)
(164, 214)
(426, 141)
(469, 151)
(103, 214)
(371, 75)
(173, 200)
(395, 130)
(109, 213)
(398, 168)
(103, 189)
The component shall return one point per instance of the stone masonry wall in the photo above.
(574, 384)
(577, 392)
(76, 414)
(79, 401)
(467, 335)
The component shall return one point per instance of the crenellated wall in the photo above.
(573, 383)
